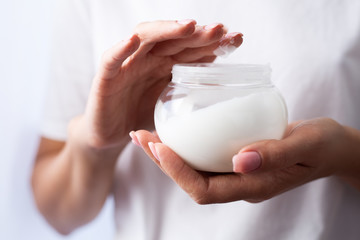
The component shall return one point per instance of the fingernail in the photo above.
(246, 162)
(233, 34)
(231, 37)
(185, 21)
(212, 26)
(134, 139)
(153, 150)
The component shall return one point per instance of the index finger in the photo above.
(114, 57)
(158, 31)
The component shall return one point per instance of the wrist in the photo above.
(82, 141)
(350, 159)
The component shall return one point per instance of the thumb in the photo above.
(269, 155)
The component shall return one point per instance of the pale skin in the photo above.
(310, 150)
(71, 180)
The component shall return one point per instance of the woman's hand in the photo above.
(133, 73)
(72, 179)
(310, 150)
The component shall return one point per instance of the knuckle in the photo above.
(140, 26)
(188, 30)
(201, 199)
(330, 126)
(105, 55)
(319, 136)
(106, 60)
(323, 135)
(201, 196)
(217, 34)
(278, 156)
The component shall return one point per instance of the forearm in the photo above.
(71, 186)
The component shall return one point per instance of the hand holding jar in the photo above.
(249, 142)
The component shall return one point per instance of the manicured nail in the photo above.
(185, 21)
(246, 162)
(229, 38)
(134, 139)
(153, 150)
(212, 26)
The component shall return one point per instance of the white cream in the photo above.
(208, 138)
(224, 51)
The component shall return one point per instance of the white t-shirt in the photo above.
(314, 50)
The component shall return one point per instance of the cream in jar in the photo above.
(210, 111)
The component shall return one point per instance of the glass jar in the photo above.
(208, 112)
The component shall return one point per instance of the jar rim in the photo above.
(221, 74)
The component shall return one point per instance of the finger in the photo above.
(271, 155)
(291, 127)
(115, 56)
(151, 33)
(254, 187)
(203, 36)
(142, 138)
(262, 186)
(207, 188)
(193, 54)
(229, 41)
(204, 188)
(187, 178)
(207, 59)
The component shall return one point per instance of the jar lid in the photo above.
(222, 74)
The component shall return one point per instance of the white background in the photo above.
(24, 52)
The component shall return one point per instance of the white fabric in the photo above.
(314, 50)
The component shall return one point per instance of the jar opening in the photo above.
(221, 74)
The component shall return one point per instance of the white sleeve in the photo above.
(71, 67)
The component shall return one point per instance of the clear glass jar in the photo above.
(208, 112)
